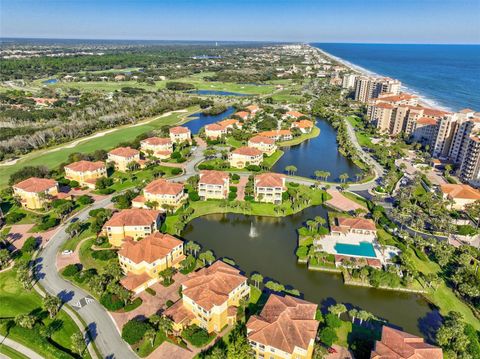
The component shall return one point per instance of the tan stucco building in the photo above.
(143, 260)
(245, 156)
(180, 134)
(210, 298)
(34, 192)
(158, 147)
(135, 223)
(213, 185)
(121, 157)
(269, 187)
(86, 172)
(265, 144)
(162, 192)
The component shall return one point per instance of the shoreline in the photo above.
(423, 101)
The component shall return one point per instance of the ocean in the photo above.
(446, 76)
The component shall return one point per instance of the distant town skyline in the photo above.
(369, 21)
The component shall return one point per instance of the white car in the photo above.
(67, 252)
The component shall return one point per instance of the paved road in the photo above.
(100, 323)
(29, 353)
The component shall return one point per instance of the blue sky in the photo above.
(387, 21)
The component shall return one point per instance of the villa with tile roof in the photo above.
(278, 135)
(134, 222)
(253, 109)
(121, 157)
(86, 172)
(293, 114)
(161, 194)
(213, 185)
(244, 115)
(215, 131)
(179, 134)
(35, 192)
(143, 260)
(230, 123)
(285, 328)
(460, 194)
(305, 126)
(396, 344)
(210, 298)
(269, 187)
(265, 144)
(158, 147)
(245, 156)
(356, 225)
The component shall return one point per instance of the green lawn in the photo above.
(86, 258)
(233, 142)
(362, 138)
(360, 200)
(102, 86)
(271, 160)
(54, 156)
(11, 353)
(297, 140)
(16, 300)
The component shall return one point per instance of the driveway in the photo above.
(151, 303)
(241, 187)
(170, 351)
(339, 201)
(20, 232)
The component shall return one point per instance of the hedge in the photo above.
(133, 331)
(111, 302)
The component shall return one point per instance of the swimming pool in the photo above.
(364, 249)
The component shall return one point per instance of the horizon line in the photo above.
(246, 41)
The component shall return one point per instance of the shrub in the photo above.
(30, 244)
(328, 336)
(104, 255)
(85, 275)
(253, 168)
(466, 230)
(235, 177)
(196, 336)
(14, 217)
(71, 270)
(176, 155)
(333, 321)
(232, 196)
(150, 291)
(302, 252)
(106, 191)
(133, 331)
(233, 189)
(111, 302)
(58, 202)
(133, 304)
(74, 184)
(176, 171)
(179, 86)
(85, 199)
(193, 196)
(169, 303)
(47, 223)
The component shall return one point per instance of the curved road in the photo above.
(99, 322)
(29, 353)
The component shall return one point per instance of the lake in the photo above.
(198, 120)
(267, 245)
(319, 153)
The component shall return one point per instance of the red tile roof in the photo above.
(157, 141)
(276, 133)
(162, 186)
(35, 184)
(212, 285)
(132, 281)
(151, 248)
(178, 313)
(303, 124)
(229, 122)
(213, 177)
(126, 152)
(284, 323)
(295, 114)
(396, 344)
(262, 139)
(269, 180)
(179, 129)
(463, 191)
(133, 217)
(242, 114)
(426, 121)
(85, 166)
(357, 223)
(247, 151)
(214, 127)
(253, 108)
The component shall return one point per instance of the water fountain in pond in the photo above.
(253, 232)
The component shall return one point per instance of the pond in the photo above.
(218, 93)
(50, 82)
(198, 120)
(267, 245)
(319, 153)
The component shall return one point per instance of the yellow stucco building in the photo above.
(210, 298)
(86, 172)
(135, 223)
(143, 260)
(285, 329)
(34, 192)
(162, 192)
(264, 144)
(245, 156)
(121, 157)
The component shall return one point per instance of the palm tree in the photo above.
(25, 321)
(353, 313)
(363, 315)
(78, 343)
(291, 169)
(326, 174)
(337, 309)
(257, 278)
(343, 177)
(150, 335)
(52, 304)
(165, 325)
